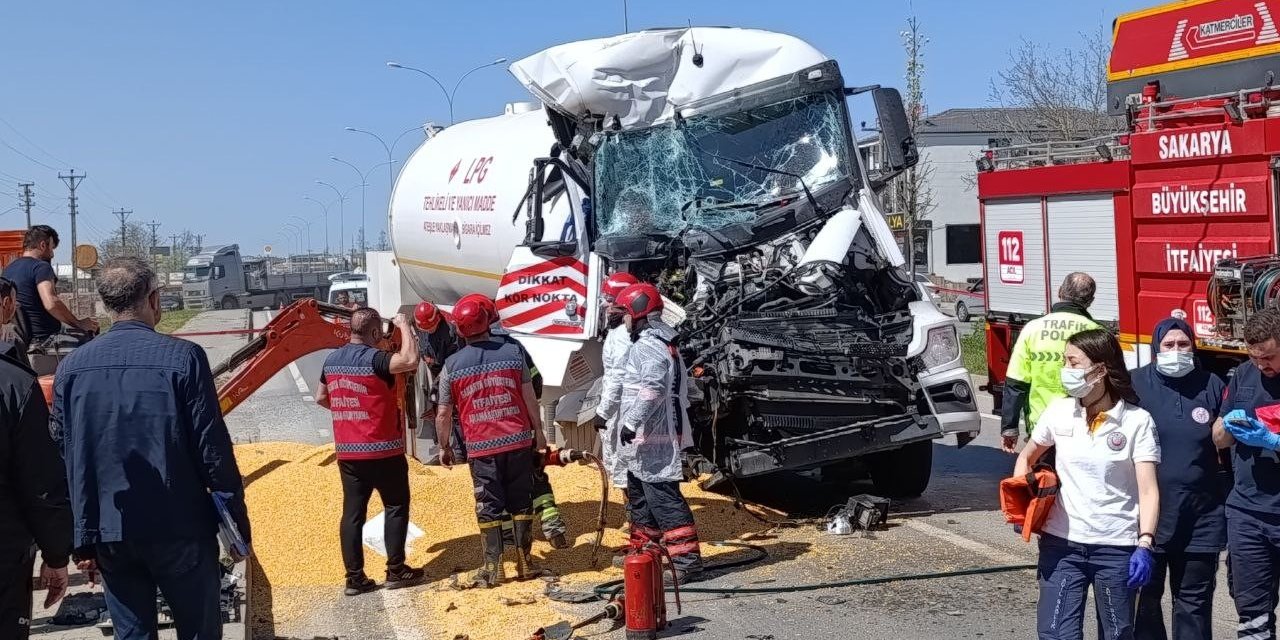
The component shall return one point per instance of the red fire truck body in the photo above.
(1151, 213)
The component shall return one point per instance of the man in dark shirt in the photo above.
(43, 312)
(145, 445)
(33, 492)
(10, 343)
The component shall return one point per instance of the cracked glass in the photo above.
(712, 171)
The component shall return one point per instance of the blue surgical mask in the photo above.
(1075, 383)
(1175, 364)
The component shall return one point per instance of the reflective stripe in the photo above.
(1261, 635)
(367, 447)
(544, 500)
(681, 532)
(522, 516)
(477, 448)
(1255, 623)
(490, 525)
(683, 548)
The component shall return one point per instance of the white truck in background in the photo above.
(721, 164)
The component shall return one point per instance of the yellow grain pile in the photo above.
(295, 502)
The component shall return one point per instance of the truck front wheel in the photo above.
(902, 473)
(230, 302)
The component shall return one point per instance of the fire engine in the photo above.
(1174, 216)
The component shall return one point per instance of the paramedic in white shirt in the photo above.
(1101, 529)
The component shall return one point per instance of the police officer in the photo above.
(1184, 399)
(654, 430)
(357, 385)
(1252, 410)
(614, 354)
(1032, 380)
(489, 385)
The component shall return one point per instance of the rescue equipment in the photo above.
(1026, 500)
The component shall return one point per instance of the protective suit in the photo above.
(616, 344)
(655, 402)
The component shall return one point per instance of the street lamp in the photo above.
(390, 149)
(324, 207)
(289, 238)
(364, 185)
(448, 95)
(342, 215)
(306, 223)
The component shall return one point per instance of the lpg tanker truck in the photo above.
(719, 163)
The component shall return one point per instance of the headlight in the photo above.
(941, 347)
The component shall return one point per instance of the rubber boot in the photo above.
(490, 574)
(525, 567)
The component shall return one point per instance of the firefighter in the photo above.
(357, 384)
(1100, 532)
(616, 343)
(1252, 417)
(544, 498)
(436, 342)
(490, 385)
(1184, 398)
(1031, 381)
(654, 430)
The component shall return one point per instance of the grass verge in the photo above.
(171, 321)
(973, 346)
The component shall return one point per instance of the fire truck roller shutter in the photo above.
(1013, 235)
(1082, 237)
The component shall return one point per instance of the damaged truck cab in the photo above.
(721, 164)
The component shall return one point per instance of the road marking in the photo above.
(986, 550)
(308, 398)
(294, 370)
(990, 416)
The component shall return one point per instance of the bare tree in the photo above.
(1054, 95)
(912, 194)
(136, 243)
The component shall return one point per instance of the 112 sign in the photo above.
(1010, 248)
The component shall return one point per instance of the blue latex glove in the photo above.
(1250, 431)
(1140, 565)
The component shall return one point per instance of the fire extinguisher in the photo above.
(643, 597)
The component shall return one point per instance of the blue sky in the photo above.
(218, 117)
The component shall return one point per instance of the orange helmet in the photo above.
(471, 316)
(615, 283)
(484, 301)
(427, 316)
(639, 300)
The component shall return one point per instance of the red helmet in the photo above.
(639, 300)
(427, 316)
(615, 283)
(482, 300)
(471, 316)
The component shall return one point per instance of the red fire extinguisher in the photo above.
(646, 605)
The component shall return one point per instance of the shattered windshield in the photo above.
(709, 172)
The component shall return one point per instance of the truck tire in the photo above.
(902, 473)
(229, 302)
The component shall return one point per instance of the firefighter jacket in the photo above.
(614, 354)
(484, 382)
(362, 400)
(655, 402)
(1034, 377)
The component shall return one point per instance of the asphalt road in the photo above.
(955, 525)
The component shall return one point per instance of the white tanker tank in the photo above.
(719, 163)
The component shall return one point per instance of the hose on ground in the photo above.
(604, 503)
(613, 587)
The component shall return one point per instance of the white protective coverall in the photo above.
(616, 344)
(655, 402)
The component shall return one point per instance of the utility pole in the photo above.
(173, 253)
(27, 199)
(123, 215)
(199, 242)
(153, 225)
(72, 181)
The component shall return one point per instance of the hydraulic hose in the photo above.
(611, 588)
(604, 503)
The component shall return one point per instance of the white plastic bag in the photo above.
(375, 527)
(839, 525)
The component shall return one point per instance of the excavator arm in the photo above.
(303, 327)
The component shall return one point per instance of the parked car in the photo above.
(972, 303)
(170, 301)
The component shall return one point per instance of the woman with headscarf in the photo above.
(1184, 399)
(1100, 531)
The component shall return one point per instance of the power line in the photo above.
(33, 144)
(123, 215)
(20, 152)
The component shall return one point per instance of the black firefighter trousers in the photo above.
(503, 484)
(360, 478)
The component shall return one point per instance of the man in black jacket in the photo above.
(33, 492)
